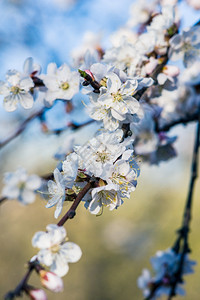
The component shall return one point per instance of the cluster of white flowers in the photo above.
(105, 157)
(113, 82)
(58, 83)
(165, 265)
(133, 57)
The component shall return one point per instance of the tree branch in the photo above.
(70, 214)
(184, 230)
(22, 127)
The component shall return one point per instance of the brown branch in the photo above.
(70, 214)
(184, 231)
(20, 288)
(22, 127)
(183, 120)
(2, 199)
(73, 126)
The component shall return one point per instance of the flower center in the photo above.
(187, 47)
(102, 156)
(21, 185)
(117, 97)
(107, 197)
(55, 248)
(15, 90)
(65, 86)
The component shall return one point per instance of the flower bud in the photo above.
(51, 281)
(90, 74)
(37, 294)
(151, 65)
(171, 70)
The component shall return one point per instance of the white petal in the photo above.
(71, 251)
(113, 83)
(26, 100)
(117, 115)
(41, 240)
(10, 103)
(133, 105)
(56, 233)
(58, 208)
(28, 65)
(94, 207)
(52, 201)
(26, 84)
(27, 196)
(12, 192)
(45, 256)
(99, 70)
(33, 182)
(58, 176)
(51, 69)
(59, 266)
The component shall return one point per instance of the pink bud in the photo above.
(89, 73)
(171, 70)
(51, 281)
(37, 294)
(151, 65)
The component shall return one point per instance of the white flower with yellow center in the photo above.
(118, 97)
(101, 151)
(61, 83)
(16, 90)
(124, 176)
(105, 196)
(55, 252)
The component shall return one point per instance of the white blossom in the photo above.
(115, 102)
(100, 152)
(16, 90)
(140, 12)
(105, 196)
(165, 265)
(55, 252)
(191, 75)
(122, 175)
(186, 46)
(21, 186)
(61, 83)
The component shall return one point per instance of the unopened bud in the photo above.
(171, 70)
(51, 281)
(37, 294)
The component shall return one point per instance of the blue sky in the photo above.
(43, 30)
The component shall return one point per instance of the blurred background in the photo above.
(117, 245)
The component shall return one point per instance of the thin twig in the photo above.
(184, 231)
(72, 211)
(19, 289)
(2, 199)
(22, 127)
(183, 120)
